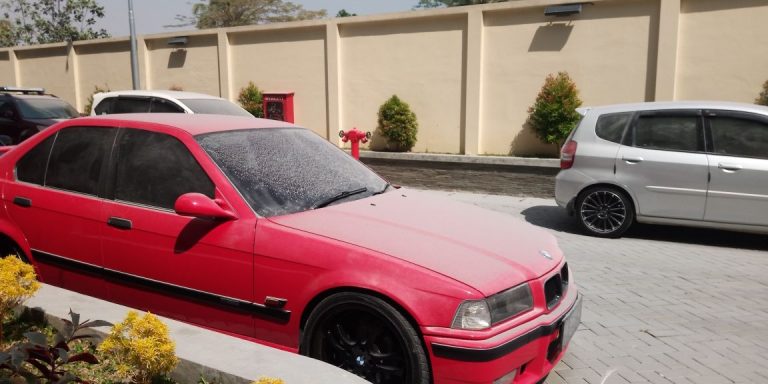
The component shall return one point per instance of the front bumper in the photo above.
(533, 353)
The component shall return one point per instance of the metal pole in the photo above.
(134, 56)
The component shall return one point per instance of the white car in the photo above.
(108, 103)
(701, 164)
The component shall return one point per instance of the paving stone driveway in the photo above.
(662, 304)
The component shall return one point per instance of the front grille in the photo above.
(556, 286)
(564, 276)
(553, 290)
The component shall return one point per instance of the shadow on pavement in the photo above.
(556, 219)
(700, 236)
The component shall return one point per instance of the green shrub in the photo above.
(250, 99)
(553, 116)
(89, 105)
(763, 98)
(398, 124)
(42, 359)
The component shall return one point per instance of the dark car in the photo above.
(26, 111)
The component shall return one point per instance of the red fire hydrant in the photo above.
(355, 137)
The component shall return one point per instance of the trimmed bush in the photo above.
(398, 124)
(250, 99)
(553, 116)
(142, 348)
(763, 98)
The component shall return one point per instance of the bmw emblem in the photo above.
(545, 254)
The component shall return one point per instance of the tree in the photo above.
(232, 13)
(344, 13)
(7, 34)
(453, 3)
(53, 21)
(250, 99)
(553, 116)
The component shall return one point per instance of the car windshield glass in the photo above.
(214, 107)
(46, 109)
(288, 170)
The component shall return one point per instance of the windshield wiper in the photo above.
(338, 197)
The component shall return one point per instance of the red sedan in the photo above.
(266, 231)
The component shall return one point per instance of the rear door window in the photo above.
(77, 158)
(611, 126)
(31, 167)
(739, 136)
(131, 105)
(669, 132)
(164, 106)
(105, 107)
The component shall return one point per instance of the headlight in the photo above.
(510, 302)
(481, 314)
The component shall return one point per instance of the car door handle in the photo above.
(119, 223)
(632, 160)
(22, 201)
(729, 167)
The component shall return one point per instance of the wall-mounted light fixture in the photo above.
(178, 41)
(563, 10)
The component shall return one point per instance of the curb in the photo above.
(463, 159)
(218, 357)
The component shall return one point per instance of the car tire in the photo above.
(367, 336)
(9, 249)
(604, 211)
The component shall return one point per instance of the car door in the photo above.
(55, 202)
(738, 190)
(663, 164)
(197, 270)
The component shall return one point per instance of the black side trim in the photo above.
(483, 355)
(273, 314)
(22, 201)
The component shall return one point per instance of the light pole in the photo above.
(134, 56)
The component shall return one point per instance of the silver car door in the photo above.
(663, 164)
(738, 190)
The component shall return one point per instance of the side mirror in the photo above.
(199, 205)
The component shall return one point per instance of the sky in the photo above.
(153, 15)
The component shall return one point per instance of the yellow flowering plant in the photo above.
(142, 348)
(268, 380)
(18, 283)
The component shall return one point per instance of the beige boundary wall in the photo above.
(469, 73)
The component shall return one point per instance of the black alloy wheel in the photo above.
(368, 337)
(604, 212)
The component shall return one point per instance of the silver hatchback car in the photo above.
(701, 164)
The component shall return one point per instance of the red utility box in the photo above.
(278, 106)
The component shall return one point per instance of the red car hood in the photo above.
(483, 249)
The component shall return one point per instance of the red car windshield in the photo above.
(287, 170)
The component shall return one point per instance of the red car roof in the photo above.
(194, 124)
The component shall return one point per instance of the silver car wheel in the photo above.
(603, 212)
